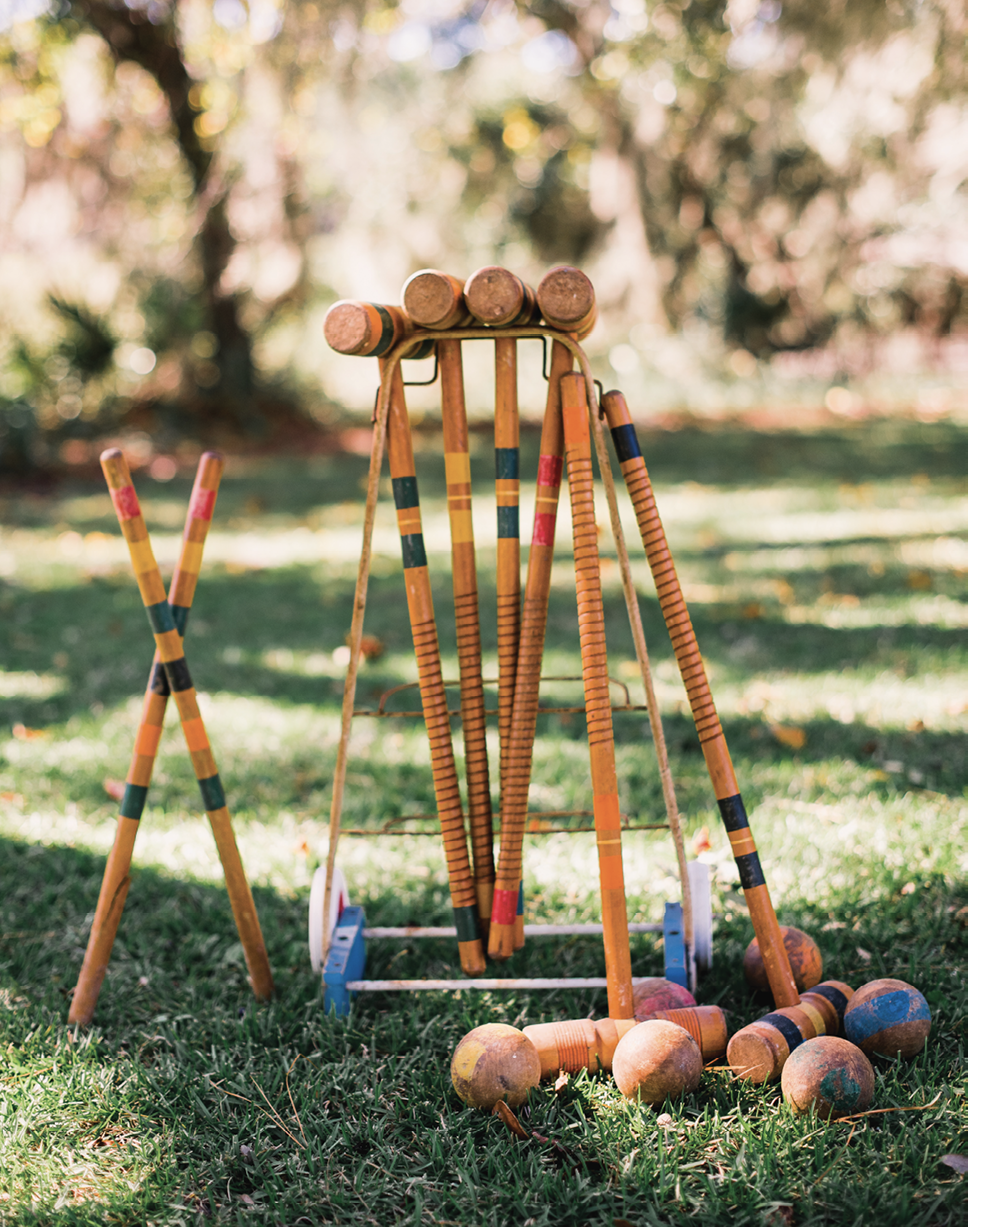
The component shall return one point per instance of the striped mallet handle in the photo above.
(515, 789)
(509, 546)
(421, 614)
(456, 444)
(713, 742)
(170, 648)
(590, 1043)
(116, 880)
(597, 700)
(353, 327)
(757, 1052)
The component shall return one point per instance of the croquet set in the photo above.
(656, 1038)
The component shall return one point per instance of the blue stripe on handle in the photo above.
(161, 617)
(212, 792)
(507, 522)
(626, 443)
(506, 463)
(133, 801)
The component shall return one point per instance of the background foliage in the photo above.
(187, 185)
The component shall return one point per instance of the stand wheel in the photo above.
(701, 910)
(340, 900)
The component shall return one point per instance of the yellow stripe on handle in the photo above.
(707, 724)
(456, 442)
(515, 789)
(421, 615)
(597, 700)
(171, 650)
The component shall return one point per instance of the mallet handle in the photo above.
(456, 444)
(421, 613)
(509, 546)
(116, 880)
(170, 649)
(594, 666)
(515, 789)
(713, 742)
(757, 1052)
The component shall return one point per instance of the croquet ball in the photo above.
(654, 994)
(830, 1075)
(656, 1060)
(495, 1062)
(803, 956)
(887, 1017)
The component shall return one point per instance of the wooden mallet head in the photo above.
(495, 296)
(566, 299)
(434, 300)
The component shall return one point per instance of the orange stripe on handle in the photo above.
(594, 666)
(515, 789)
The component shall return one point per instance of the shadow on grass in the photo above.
(318, 1119)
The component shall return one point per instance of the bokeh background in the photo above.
(769, 197)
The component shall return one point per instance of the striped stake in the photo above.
(594, 667)
(709, 729)
(421, 613)
(114, 887)
(478, 789)
(170, 650)
(515, 789)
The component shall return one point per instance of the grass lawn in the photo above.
(825, 570)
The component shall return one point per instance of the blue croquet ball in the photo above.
(887, 1017)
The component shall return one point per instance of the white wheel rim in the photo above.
(701, 909)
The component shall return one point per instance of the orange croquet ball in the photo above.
(654, 994)
(887, 1017)
(828, 1075)
(803, 956)
(656, 1060)
(495, 1062)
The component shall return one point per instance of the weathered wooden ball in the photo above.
(887, 1017)
(656, 1060)
(495, 1062)
(828, 1075)
(803, 956)
(654, 994)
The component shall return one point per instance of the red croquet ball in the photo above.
(803, 956)
(495, 1062)
(651, 996)
(656, 1060)
(828, 1075)
(887, 1017)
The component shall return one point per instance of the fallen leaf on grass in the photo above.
(794, 738)
(957, 1162)
(114, 789)
(562, 1082)
(23, 733)
(864, 954)
(505, 1114)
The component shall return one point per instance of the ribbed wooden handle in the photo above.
(421, 614)
(709, 729)
(597, 700)
(515, 787)
(467, 607)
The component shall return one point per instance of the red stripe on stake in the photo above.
(126, 503)
(203, 505)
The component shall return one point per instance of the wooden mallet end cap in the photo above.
(494, 295)
(431, 298)
(566, 297)
(348, 328)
